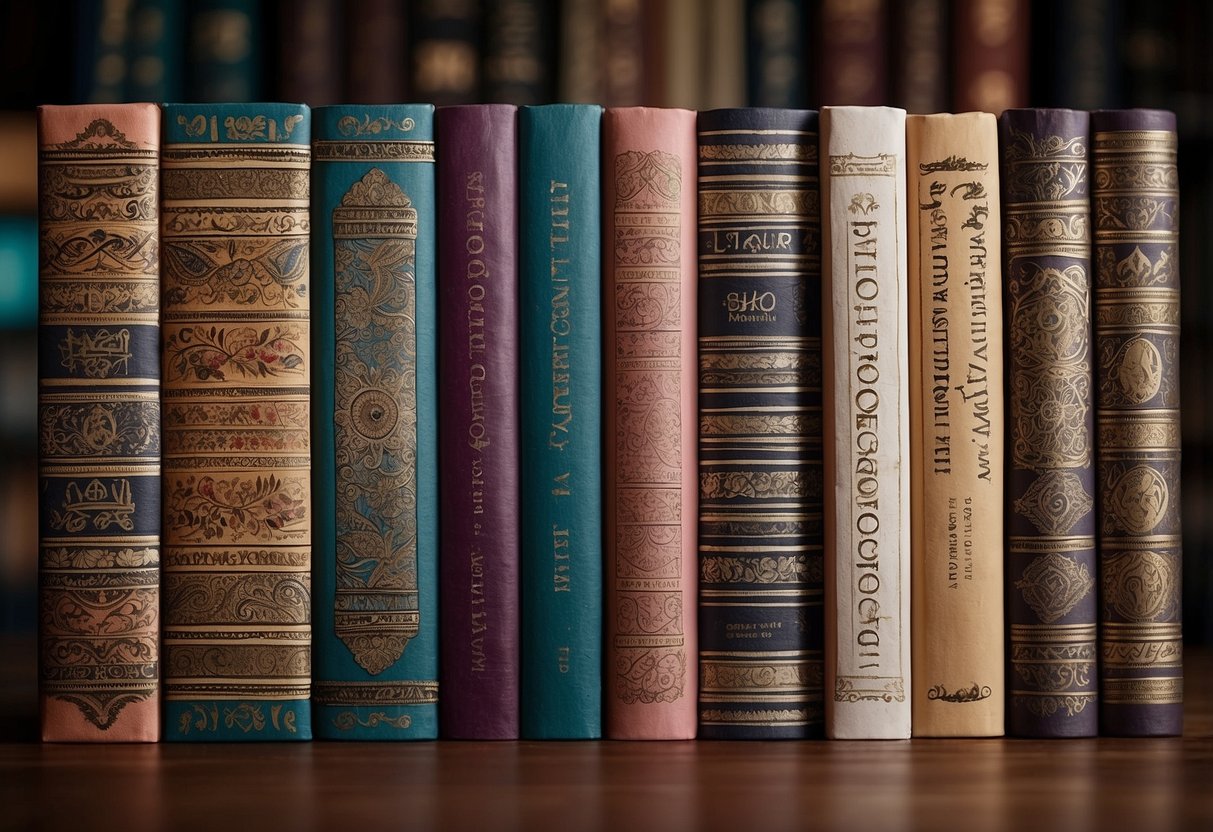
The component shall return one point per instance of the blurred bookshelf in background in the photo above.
(924, 55)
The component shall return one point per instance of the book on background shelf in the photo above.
(376, 60)
(623, 53)
(578, 57)
(920, 55)
(99, 422)
(308, 57)
(649, 404)
(867, 423)
(518, 51)
(776, 43)
(760, 486)
(560, 267)
(724, 67)
(155, 50)
(1076, 52)
(1051, 565)
(851, 52)
(478, 454)
(102, 30)
(375, 423)
(445, 51)
(223, 51)
(237, 442)
(956, 425)
(1135, 206)
(990, 60)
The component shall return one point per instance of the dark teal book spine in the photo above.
(155, 51)
(560, 281)
(375, 424)
(223, 50)
(236, 370)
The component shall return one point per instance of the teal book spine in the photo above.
(236, 367)
(560, 244)
(375, 424)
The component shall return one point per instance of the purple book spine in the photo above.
(478, 416)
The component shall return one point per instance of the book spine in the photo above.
(1051, 479)
(376, 34)
(852, 52)
(649, 422)
(684, 47)
(1135, 207)
(445, 51)
(154, 51)
(920, 65)
(776, 32)
(99, 422)
(866, 410)
(623, 79)
(990, 55)
(102, 30)
(223, 37)
(760, 487)
(579, 79)
(956, 426)
(374, 424)
(517, 54)
(561, 379)
(308, 58)
(478, 402)
(237, 445)
(724, 73)
(1083, 67)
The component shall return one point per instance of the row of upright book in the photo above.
(381, 422)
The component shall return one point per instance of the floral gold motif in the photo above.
(1055, 502)
(1053, 585)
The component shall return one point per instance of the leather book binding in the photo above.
(760, 485)
(649, 412)
(237, 441)
(1051, 569)
(1135, 212)
(375, 423)
(99, 422)
(560, 265)
(866, 423)
(478, 450)
(956, 425)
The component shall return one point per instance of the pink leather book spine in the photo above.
(649, 420)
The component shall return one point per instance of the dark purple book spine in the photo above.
(1051, 570)
(1135, 213)
(478, 418)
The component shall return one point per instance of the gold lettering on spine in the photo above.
(376, 606)
(651, 662)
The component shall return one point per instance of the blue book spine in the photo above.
(155, 51)
(375, 424)
(236, 365)
(561, 338)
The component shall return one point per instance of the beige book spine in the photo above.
(866, 422)
(956, 425)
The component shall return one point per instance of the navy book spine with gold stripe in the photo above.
(236, 360)
(375, 424)
(1135, 208)
(1051, 568)
(760, 426)
(99, 422)
(560, 333)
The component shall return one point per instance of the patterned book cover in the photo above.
(518, 51)
(237, 441)
(851, 52)
(1135, 210)
(760, 485)
(374, 423)
(223, 57)
(776, 31)
(478, 403)
(376, 65)
(560, 266)
(991, 43)
(956, 425)
(99, 422)
(1050, 579)
(649, 435)
(444, 51)
(866, 407)
(920, 55)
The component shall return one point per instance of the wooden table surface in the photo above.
(955, 785)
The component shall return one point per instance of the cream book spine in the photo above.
(956, 426)
(867, 423)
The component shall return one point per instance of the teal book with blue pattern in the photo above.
(236, 431)
(560, 244)
(375, 424)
